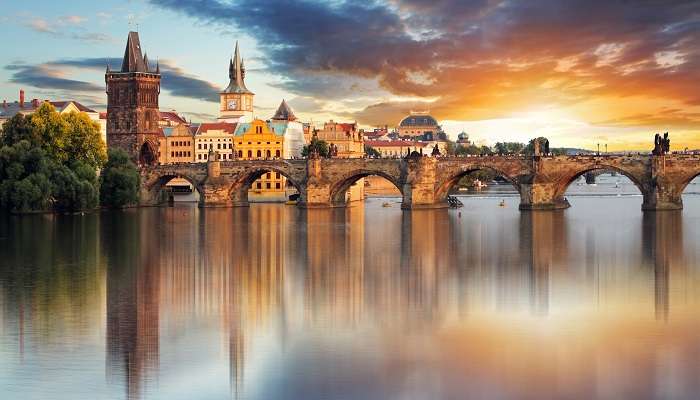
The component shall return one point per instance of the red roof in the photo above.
(216, 126)
(103, 115)
(396, 143)
(171, 116)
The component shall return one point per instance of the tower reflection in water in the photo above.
(366, 302)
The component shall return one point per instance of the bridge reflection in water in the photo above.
(368, 302)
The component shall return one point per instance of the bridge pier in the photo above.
(662, 198)
(541, 196)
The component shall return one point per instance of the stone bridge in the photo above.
(425, 182)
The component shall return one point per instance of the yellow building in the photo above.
(256, 140)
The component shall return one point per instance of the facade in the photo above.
(349, 143)
(236, 101)
(420, 125)
(217, 136)
(400, 148)
(170, 118)
(177, 145)
(257, 140)
(9, 110)
(345, 136)
(132, 105)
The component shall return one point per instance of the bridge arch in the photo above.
(564, 182)
(153, 187)
(444, 187)
(242, 182)
(339, 188)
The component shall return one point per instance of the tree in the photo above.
(24, 178)
(371, 151)
(450, 148)
(74, 188)
(18, 128)
(51, 130)
(119, 181)
(320, 146)
(508, 148)
(83, 142)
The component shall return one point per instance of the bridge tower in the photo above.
(132, 105)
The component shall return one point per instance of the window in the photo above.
(205, 156)
(277, 185)
(268, 175)
(229, 146)
(277, 153)
(277, 175)
(218, 146)
(259, 154)
(259, 185)
(240, 153)
(268, 185)
(269, 154)
(199, 156)
(250, 153)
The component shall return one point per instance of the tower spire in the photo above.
(236, 74)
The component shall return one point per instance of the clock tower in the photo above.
(236, 102)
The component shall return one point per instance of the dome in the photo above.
(418, 120)
(463, 136)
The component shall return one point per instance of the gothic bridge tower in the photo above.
(132, 105)
(236, 101)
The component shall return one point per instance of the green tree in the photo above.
(450, 148)
(84, 142)
(18, 128)
(320, 146)
(74, 188)
(119, 181)
(502, 148)
(51, 129)
(371, 151)
(24, 178)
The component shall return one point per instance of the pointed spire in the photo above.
(157, 66)
(107, 62)
(145, 62)
(236, 74)
(133, 62)
(284, 112)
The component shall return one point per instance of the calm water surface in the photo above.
(271, 302)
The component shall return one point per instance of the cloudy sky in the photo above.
(579, 72)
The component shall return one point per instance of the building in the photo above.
(9, 110)
(349, 143)
(463, 139)
(216, 136)
(257, 140)
(285, 123)
(236, 101)
(177, 144)
(376, 133)
(420, 125)
(171, 118)
(400, 148)
(345, 137)
(132, 105)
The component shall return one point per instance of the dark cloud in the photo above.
(51, 75)
(41, 76)
(479, 58)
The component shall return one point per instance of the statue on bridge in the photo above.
(662, 145)
(436, 151)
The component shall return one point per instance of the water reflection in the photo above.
(370, 302)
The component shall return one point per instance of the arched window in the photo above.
(240, 153)
(250, 153)
(269, 154)
(259, 154)
(277, 153)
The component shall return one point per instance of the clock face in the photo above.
(232, 104)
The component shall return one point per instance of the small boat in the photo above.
(386, 204)
(502, 203)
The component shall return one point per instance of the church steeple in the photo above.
(236, 74)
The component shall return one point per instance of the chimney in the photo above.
(21, 98)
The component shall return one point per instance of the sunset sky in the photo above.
(578, 72)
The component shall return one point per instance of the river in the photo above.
(599, 301)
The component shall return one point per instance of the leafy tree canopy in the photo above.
(321, 147)
(119, 181)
